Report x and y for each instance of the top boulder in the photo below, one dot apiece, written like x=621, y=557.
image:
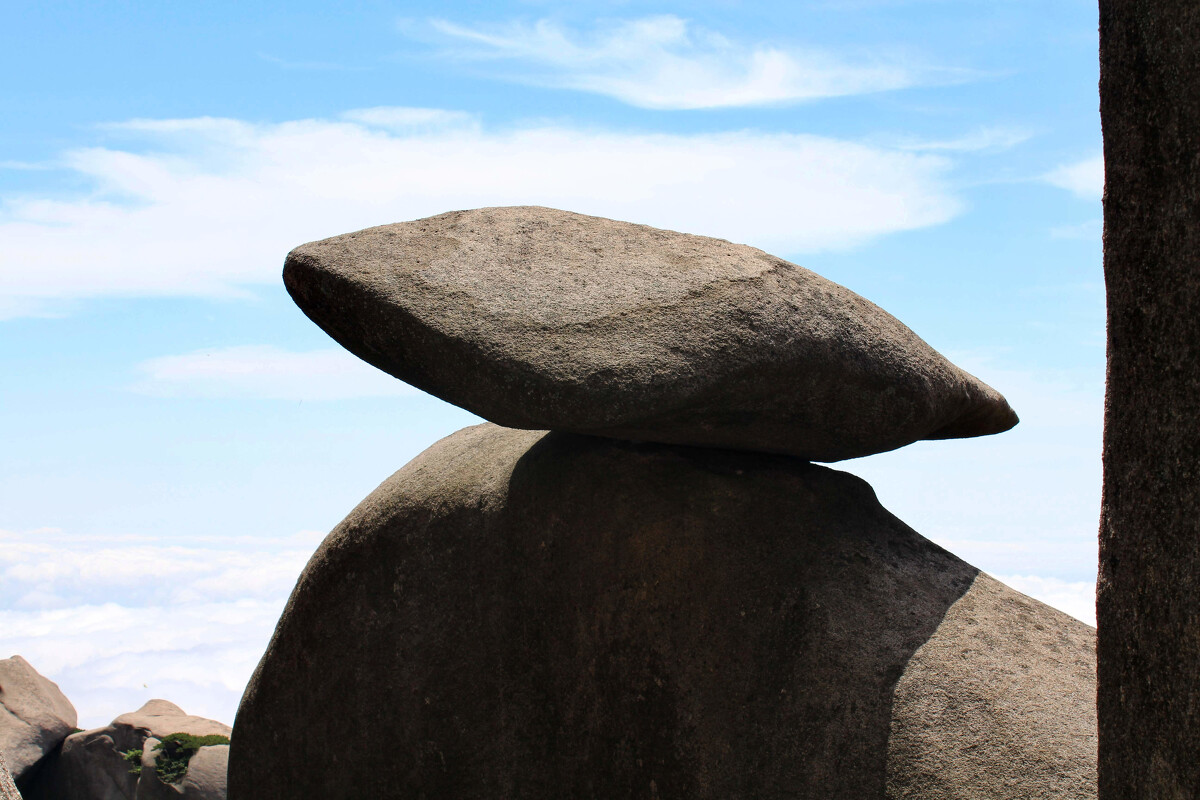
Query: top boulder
x=544, y=319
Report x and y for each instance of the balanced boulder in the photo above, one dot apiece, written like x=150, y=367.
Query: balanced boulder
x=527, y=615
x=537, y=318
x=35, y=716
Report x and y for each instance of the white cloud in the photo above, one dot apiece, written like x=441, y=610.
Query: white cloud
x=50, y=569
x=215, y=204
x=1077, y=598
x=984, y=139
x=116, y=621
x=264, y=371
x=409, y=119
x=109, y=658
x=664, y=62
x=1084, y=179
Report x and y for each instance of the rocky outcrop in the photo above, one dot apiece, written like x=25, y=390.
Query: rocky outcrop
x=521, y=614
x=117, y=762
x=34, y=717
x=538, y=318
x=1148, y=599
x=205, y=778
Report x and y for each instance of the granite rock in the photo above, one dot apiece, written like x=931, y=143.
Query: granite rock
x=1148, y=593
x=91, y=764
x=8, y=789
x=530, y=615
x=35, y=716
x=537, y=318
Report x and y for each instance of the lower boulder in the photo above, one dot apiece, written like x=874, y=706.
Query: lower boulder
x=517, y=614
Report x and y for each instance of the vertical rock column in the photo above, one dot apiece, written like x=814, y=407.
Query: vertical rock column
x=1149, y=590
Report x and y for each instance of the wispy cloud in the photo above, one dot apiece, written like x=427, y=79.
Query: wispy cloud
x=1084, y=179
x=665, y=62
x=214, y=204
x=980, y=140
x=409, y=120
x=25, y=166
x=262, y=371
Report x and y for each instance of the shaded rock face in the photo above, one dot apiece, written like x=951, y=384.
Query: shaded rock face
x=527, y=615
x=1148, y=597
x=537, y=318
x=34, y=716
x=91, y=766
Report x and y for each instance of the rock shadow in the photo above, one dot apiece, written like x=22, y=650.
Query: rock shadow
x=701, y=623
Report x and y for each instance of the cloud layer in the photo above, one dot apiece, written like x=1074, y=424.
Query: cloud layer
x=208, y=207
x=664, y=62
x=116, y=622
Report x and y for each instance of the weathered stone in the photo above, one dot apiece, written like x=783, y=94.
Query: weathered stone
x=8, y=789
x=91, y=765
x=1148, y=603
x=526, y=615
x=537, y=318
x=205, y=778
x=206, y=775
x=34, y=716
x=159, y=718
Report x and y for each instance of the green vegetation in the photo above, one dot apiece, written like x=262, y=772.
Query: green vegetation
x=177, y=750
x=134, y=757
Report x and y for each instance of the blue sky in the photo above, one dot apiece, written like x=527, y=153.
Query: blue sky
x=177, y=436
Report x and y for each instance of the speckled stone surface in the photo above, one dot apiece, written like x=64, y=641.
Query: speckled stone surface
x=1148, y=603
x=526, y=615
x=543, y=319
x=35, y=716
x=8, y=789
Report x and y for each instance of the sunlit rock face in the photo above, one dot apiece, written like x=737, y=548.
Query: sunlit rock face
x=527, y=615
x=537, y=318
x=35, y=716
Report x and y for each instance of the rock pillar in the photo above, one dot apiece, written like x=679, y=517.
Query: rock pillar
x=1149, y=590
